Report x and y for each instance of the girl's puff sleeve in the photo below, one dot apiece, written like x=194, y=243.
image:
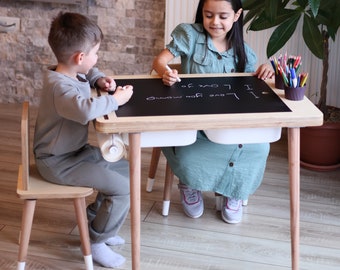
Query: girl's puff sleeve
x=182, y=38
x=251, y=59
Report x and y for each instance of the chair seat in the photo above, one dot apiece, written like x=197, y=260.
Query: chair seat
x=42, y=189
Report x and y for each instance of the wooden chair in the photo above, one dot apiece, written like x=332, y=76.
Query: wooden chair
x=31, y=187
x=169, y=176
x=169, y=179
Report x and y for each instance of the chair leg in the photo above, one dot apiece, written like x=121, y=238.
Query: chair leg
x=218, y=201
x=79, y=205
x=245, y=202
x=156, y=152
x=26, y=228
x=169, y=179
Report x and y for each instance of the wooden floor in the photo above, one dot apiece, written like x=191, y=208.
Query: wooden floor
x=261, y=241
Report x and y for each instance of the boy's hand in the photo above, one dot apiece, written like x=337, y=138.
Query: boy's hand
x=123, y=94
x=264, y=72
x=106, y=84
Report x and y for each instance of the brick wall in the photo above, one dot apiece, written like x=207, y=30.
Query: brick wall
x=133, y=35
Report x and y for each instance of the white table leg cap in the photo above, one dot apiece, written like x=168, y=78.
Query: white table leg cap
x=21, y=265
x=149, y=184
x=166, y=207
x=88, y=262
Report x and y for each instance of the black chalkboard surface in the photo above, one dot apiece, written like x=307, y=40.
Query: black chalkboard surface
x=206, y=95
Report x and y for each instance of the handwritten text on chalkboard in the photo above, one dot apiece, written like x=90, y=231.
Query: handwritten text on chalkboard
x=206, y=95
x=227, y=87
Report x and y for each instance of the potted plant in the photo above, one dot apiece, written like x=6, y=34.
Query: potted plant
x=321, y=21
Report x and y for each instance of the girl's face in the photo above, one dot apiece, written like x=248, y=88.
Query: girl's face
x=218, y=18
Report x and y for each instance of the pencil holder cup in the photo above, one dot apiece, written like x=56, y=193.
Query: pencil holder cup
x=294, y=93
x=279, y=84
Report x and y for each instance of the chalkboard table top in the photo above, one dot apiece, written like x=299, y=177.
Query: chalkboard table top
x=213, y=95
x=210, y=101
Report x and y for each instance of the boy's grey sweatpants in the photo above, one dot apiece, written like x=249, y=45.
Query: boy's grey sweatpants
x=87, y=167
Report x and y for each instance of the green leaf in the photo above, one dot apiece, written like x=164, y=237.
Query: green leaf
x=271, y=10
x=285, y=2
x=251, y=14
x=335, y=21
x=329, y=16
x=314, y=6
x=282, y=34
x=312, y=36
x=262, y=22
x=250, y=4
x=301, y=3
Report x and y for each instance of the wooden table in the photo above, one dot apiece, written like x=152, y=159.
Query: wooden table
x=303, y=113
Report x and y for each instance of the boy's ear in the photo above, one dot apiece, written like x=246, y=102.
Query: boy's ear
x=78, y=57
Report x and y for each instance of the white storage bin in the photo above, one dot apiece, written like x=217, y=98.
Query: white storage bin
x=244, y=135
x=164, y=138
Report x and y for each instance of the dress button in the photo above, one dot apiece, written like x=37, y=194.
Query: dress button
x=240, y=146
x=219, y=57
x=231, y=164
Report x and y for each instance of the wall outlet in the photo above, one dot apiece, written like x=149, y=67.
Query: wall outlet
x=9, y=24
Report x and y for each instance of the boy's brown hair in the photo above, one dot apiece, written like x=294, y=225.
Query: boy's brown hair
x=71, y=33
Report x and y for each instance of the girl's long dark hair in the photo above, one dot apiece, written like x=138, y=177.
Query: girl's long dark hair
x=234, y=36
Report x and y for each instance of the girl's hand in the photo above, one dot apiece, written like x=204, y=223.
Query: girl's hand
x=106, y=84
x=264, y=72
x=170, y=77
x=123, y=94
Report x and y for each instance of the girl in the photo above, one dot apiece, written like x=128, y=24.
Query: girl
x=214, y=44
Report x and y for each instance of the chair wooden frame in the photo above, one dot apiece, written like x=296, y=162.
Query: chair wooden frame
x=169, y=176
x=31, y=187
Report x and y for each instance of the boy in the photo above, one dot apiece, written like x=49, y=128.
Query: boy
x=61, y=150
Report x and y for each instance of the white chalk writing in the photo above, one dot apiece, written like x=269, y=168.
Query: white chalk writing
x=197, y=95
x=248, y=87
x=225, y=91
x=254, y=94
x=152, y=98
x=224, y=95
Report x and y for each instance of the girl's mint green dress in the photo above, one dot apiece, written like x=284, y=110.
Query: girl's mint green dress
x=234, y=171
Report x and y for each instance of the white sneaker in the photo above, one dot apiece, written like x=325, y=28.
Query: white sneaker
x=231, y=210
x=192, y=201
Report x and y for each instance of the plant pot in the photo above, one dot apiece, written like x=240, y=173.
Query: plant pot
x=320, y=147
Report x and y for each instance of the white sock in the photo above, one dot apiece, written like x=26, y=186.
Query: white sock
x=115, y=241
x=105, y=256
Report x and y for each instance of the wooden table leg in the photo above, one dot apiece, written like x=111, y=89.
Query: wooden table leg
x=294, y=176
x=135, y=197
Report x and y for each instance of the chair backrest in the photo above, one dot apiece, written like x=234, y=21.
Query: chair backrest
x=25, y=143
